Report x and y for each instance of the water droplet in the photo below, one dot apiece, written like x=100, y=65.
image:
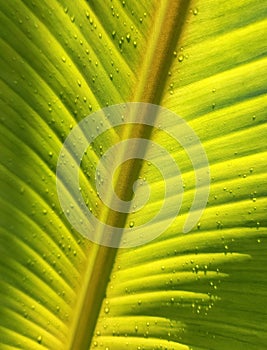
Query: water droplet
x=180, y=58
x=134, y=43
x=39, y=339
x=131, y=224
x=195, y=11
x=63, y=59
x=79, y=83
x=100, y=36
x=106, y=310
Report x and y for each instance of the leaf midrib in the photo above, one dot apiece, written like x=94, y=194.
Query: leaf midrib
x=166, y=31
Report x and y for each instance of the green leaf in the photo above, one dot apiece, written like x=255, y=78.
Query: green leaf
x=205, y=61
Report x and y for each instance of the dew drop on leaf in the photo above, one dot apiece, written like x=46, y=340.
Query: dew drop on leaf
x=39, y=339
x=131, y=224
x=180, y=58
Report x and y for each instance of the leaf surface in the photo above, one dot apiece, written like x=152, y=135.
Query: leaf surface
x=205, y=61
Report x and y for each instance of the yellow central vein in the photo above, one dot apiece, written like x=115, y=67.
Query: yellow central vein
x=165, y=34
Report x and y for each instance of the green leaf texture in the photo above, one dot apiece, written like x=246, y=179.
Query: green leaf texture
x=205, y=61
